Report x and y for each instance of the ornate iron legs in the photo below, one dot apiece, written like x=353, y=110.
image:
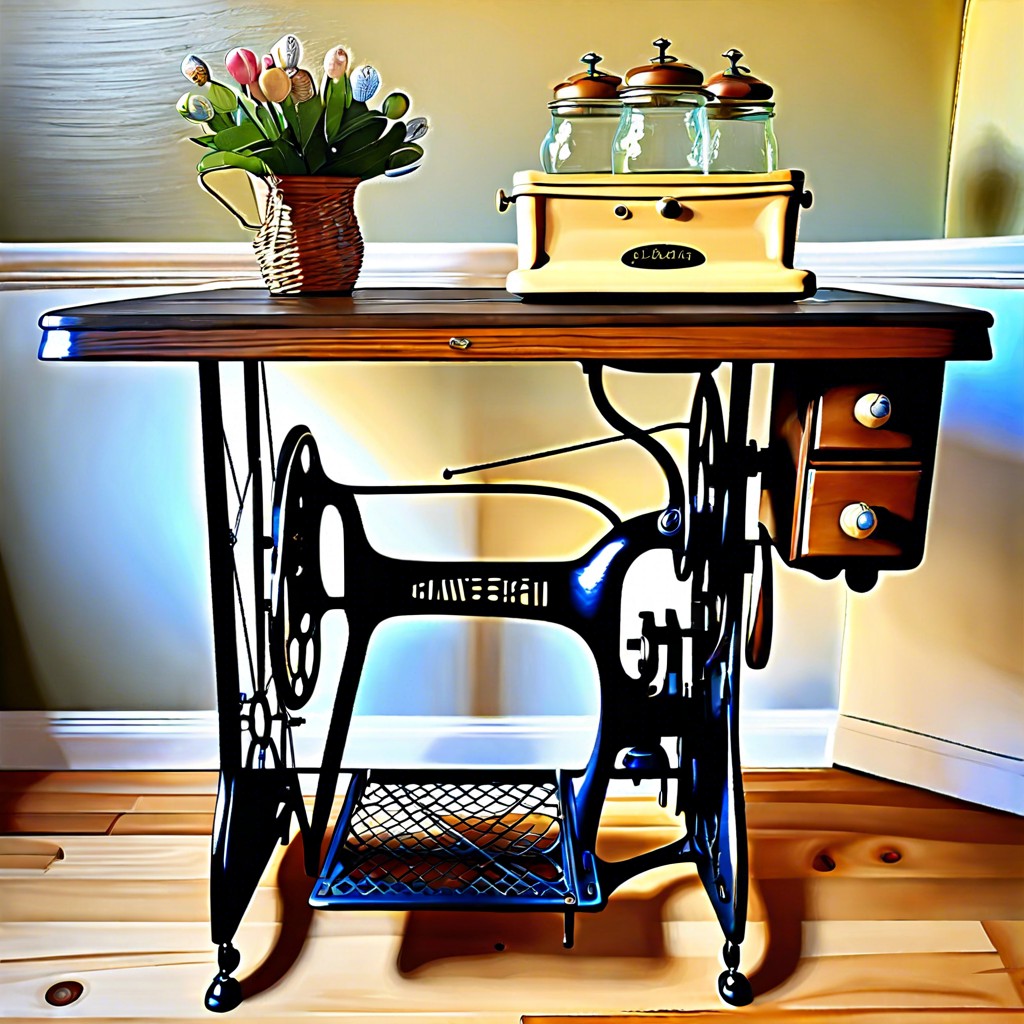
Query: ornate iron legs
x=486, y=838
x=258, y=791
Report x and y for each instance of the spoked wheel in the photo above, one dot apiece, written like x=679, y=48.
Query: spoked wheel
x=298, y=600
x=706, y=477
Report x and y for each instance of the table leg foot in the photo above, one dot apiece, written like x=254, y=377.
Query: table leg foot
x=225, y=992
x=733, y=986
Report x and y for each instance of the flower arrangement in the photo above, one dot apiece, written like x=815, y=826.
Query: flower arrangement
x=277, y=122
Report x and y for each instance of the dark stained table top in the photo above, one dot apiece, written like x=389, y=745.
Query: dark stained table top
x=419, y=324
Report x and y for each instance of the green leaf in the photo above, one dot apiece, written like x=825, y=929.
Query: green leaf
x=309, y=118
x=291, y=116
x=268, y=122
x=369, y=161
x=360, y=134
x=224, y=100
x=246, y=163
x=355, y=109
x=315, y=151
x=203, y=140
x=338, y=95
x=281, y=158
x=240, y=137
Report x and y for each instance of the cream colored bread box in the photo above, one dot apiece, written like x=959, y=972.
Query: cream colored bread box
x=683, y=235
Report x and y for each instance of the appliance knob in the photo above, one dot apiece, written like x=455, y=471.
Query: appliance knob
x=669, y=208
x=872, y=410
x=858, y=520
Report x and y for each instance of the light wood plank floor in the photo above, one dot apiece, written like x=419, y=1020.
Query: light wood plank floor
x=871, y=902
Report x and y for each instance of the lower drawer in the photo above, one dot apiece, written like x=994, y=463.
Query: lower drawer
x=890, y=494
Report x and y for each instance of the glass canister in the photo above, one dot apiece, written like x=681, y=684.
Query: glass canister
x=740, y=120
x=664, y=126
x=584, y=117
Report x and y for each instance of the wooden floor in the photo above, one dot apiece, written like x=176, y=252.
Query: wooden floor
x=871, y=902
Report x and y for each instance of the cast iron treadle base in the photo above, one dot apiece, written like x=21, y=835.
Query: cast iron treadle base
x=451, y=840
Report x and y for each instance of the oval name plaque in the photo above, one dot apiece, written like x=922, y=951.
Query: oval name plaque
x=663, y=256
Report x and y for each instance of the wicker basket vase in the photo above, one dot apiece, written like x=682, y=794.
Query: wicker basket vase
x=309, y=242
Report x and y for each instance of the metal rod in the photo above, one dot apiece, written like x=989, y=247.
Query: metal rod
x=225, y=643
x=542, y=489
x=254, y=452
x=449, y=473
x=673, y=478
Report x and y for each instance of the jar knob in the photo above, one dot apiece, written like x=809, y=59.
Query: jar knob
x=735, y=68
x=591, y=60
x=663, y=58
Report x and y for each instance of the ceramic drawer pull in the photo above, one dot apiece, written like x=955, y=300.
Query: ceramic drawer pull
x=858, y=520
x=872, y=410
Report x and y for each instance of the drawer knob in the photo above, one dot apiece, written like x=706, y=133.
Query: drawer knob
x=669, y=208
x=858, y=520
x=872, y=410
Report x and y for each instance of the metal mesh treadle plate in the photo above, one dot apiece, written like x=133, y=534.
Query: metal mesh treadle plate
x=468, y=842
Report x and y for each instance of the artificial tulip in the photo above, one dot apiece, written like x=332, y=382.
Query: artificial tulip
x=243, y=66
x=303, y=86
x=194, y=107
x=287, y=52
x=365, y=82
x=395, y=106
x=195, y=69
x=336, y=62
x=275, y=84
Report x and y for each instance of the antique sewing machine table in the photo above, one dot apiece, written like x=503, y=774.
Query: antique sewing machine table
x=845, y=482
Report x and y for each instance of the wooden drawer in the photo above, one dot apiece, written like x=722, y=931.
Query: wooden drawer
x=837, y=426
x=891, y=493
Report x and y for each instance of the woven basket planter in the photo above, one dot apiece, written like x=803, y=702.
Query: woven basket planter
x=309, y=242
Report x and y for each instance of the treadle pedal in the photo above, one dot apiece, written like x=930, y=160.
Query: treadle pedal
x=454, y=840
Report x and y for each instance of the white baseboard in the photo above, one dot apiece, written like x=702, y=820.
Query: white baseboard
x=975, y=262
x=187, y=740
x=929, y=762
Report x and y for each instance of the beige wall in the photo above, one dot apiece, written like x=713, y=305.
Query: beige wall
x=94, y=149
x=986, y=169
x=940, y=651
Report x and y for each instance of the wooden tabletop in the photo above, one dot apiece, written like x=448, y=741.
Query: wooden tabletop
x=421, y=323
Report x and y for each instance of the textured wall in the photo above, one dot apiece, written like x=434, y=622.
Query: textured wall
x=986, y=160
x=94, y=149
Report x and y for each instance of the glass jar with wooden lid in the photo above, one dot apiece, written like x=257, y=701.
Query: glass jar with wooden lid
x=663, y=127
x=740, y=117
x=584, y=117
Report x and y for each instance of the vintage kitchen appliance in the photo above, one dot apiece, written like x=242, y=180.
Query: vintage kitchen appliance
x=668, y=234
x=609, y=236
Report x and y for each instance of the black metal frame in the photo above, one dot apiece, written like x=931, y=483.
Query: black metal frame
x=484, y=839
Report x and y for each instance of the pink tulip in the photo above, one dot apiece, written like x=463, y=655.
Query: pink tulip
x=242, y=66
x=268, y=61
